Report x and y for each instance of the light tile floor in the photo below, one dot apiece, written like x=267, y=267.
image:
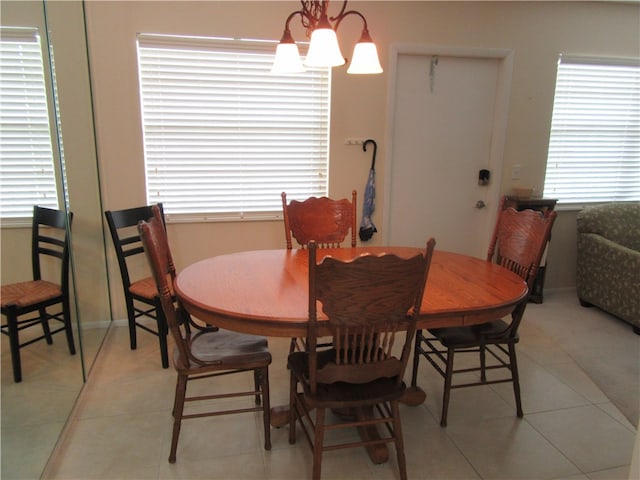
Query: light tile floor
x=571, y=430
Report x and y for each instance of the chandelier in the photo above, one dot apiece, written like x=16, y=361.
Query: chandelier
x=324, y=50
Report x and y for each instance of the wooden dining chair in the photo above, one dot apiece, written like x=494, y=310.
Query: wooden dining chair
x=518, y=243
x=140, y=292
x=322, y=219
x=368, y=301
x=202, y=351
x=37, y=301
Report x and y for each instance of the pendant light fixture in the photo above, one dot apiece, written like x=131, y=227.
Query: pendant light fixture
x=324, y=50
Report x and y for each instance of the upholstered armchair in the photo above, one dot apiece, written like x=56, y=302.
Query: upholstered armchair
x=608, y=263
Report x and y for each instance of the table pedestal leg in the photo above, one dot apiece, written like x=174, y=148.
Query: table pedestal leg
x=378, y=453
x=279, y=416
x=413, y=396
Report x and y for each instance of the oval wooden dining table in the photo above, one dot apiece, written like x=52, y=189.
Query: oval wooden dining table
x=265, y=292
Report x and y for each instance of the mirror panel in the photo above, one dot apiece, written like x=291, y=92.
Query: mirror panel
x=65, y=21
x=35, y=411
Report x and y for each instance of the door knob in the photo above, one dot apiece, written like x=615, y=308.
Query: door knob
x=480, y=204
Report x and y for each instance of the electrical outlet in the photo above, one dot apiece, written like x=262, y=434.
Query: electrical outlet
x=516, y=172
x=354, y=141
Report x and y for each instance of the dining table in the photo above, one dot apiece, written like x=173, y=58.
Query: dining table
x=266, y=292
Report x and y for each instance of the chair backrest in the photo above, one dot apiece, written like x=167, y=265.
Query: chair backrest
x=519, y=240
x=518, y=243
x=367, y=301
x=52, y=241
x=156, y=247
x=322, y=219
x=126, y=239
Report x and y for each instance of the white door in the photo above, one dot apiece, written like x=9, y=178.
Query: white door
x=448, y=117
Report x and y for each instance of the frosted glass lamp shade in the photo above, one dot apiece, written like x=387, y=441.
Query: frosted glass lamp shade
x=287, y=59
x=365, y=59
x=324, y=50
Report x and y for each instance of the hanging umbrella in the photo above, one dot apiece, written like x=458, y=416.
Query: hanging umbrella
x=367, y=228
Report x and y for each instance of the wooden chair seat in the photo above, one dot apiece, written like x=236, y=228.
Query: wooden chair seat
x=344, y=395
x=225, y=349
x=146, y=288
x=464, y=337
x=27, y=293
x=496, y=331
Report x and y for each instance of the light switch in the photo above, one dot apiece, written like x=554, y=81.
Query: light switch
x=515, y=172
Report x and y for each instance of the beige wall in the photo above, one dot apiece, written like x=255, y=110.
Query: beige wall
x=536, y=31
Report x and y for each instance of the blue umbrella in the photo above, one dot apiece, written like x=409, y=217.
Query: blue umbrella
x=367, y=228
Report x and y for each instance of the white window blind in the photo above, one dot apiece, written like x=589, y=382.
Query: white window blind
x=594, y=147
x=26, y=156
x=223, y=137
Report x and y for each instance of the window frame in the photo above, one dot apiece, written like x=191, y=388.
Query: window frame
x=31, y=35
x=307, y=151
x=627, y=162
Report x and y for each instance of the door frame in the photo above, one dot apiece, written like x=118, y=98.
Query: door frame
x=498, y=136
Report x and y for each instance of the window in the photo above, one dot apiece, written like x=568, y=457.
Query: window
x=26, y=155
x=223, y=137
x=594, y=148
